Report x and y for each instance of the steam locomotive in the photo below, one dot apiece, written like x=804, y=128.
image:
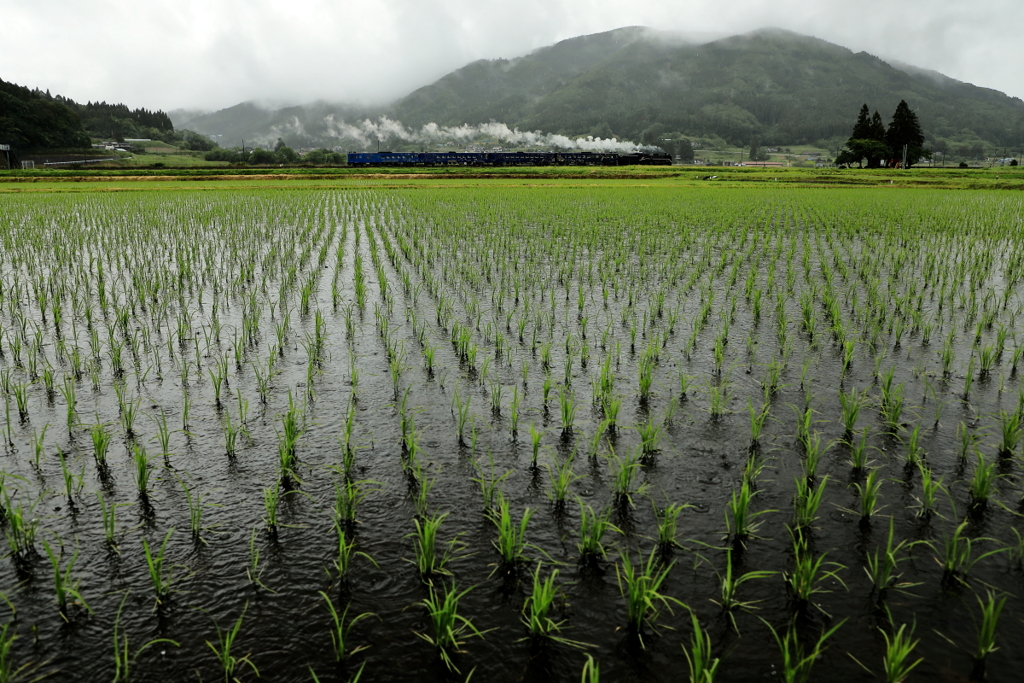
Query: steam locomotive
x=504, y=159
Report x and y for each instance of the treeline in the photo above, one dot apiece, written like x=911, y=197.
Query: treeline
x=35, y=119
x=117, y=121
x=30, y=119
x=281, y=154
x=898, y=145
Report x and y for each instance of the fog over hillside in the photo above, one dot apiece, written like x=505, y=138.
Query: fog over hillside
x=635, y=85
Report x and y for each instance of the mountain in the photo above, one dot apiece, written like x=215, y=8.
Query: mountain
x=779, y=87
x=311, y=125
x=30, y=119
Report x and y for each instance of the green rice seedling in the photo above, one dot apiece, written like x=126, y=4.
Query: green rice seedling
x=986, y=359
x=983, y=483
x=230, y=663
x=914, y=452
x=489, y=482
x=100, y=442
x=514, y=411
x=160, y=575
x=685, y=382
x=123, y=657
x=742, y=523
x=496, y=397
x=892, y=408
x=450, y=629
x=646, y=376
x=535, y=435
x=1015, y=549
x=968, y=379
x=143, y=469
x=345, y=553
x=859, y=451
x=591, y=671
x=958, y=556
x=650, y=433
x=562, y=477
x=797, y=660
x=129, y=411
x=67, y=390
x=347, y=498
x=849, y=348
x=968, y=441
x=186, y=405
x=254, y=571
x=718, y=399
x=896, y=664
x=808, y=572
x=546, y=389
x=231, y=432
x=813, y=452
x=881, y=566
x=611, y=405
x=640, y=586
x=8, y=672
x=163, y=434
x=729, y=586
x=287, y=438
x=624, y=475
x=271, y=500
x=702, y=664
x=757, y=420
x=461, y=412
x=668, y=525
x=537, y=611
x=594, y=444
x=593, y=528
x=109, y=513
x=770, y=383
x=64, y=584
x=511, y=542
x=868, y=494
x=195, y=512
x=807, y=501
x=930, y=487
x=432, y=556
x=566, y=409
x=20, y=391
x=73, y=481
x=991, y=608
x=851, y=403
x=1010, y=433
x=340, y=629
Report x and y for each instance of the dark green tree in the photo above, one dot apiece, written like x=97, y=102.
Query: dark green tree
x=285, y=155
x=262, y=156
x=862, y=128
x=867, y=142
x=905, y=131
x=684, y=148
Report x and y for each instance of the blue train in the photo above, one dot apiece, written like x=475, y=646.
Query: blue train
x=504, y=159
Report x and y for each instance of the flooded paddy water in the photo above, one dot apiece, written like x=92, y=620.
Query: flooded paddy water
x=269, y=392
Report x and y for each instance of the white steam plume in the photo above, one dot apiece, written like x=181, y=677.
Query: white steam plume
x=368, y=132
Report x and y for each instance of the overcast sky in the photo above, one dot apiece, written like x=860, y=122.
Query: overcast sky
x=210, y=54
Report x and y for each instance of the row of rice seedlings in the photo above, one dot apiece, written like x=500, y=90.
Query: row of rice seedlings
x=713, y=412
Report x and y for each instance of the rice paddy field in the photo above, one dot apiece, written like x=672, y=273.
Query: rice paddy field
x=504, y=433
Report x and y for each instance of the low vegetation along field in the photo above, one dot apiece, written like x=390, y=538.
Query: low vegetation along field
x=517, y=433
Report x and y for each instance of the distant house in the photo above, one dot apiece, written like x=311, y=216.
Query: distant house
x=764, y=164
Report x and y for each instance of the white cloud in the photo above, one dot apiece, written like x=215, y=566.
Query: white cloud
x=186, y=53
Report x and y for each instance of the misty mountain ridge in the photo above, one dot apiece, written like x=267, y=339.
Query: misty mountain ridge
x=638, y=83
